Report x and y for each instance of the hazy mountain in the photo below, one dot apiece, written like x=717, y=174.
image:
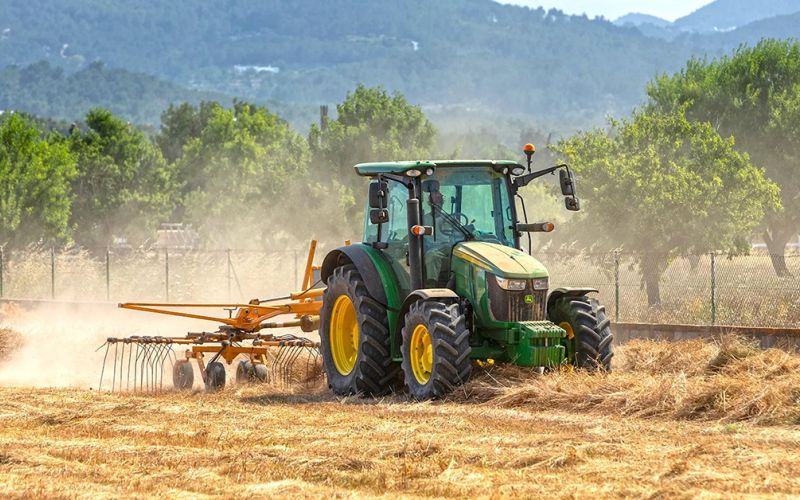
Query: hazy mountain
x=637, y=19
x=726, y=15
x=457, y=58
x=45, y=90
x=775, y=27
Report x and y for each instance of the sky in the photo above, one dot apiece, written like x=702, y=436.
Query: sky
x=612, y=9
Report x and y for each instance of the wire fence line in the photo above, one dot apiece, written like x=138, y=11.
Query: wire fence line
x=700, y=289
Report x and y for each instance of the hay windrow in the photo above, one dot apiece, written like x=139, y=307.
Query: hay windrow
x=10, y=342
x=727, y=381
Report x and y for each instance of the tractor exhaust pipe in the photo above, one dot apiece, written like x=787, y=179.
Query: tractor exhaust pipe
x=414, y=244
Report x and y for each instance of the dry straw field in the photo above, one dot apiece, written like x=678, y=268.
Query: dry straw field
x=676, y=420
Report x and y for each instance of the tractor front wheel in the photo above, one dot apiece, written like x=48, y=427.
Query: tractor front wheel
x=436, y=351
x=354, y=337
x=589, y=338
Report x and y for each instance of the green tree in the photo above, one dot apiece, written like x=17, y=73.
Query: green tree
x=660, y=186
x=35, y=179
x=371, y=125
x=235, y=172
x=124, y=187
x=753, y=96
x=180, y=124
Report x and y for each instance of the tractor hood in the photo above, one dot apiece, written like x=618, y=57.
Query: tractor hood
x=500, y=260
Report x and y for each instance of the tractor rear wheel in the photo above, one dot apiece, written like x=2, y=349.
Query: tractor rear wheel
x=182, y=375
x=215, y=376
x=589, y=338
x=354, y=337
x=436, y=350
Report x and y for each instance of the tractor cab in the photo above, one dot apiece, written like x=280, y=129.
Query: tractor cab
x=456, y=202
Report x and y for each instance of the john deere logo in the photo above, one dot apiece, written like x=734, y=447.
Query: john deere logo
x=529, y=299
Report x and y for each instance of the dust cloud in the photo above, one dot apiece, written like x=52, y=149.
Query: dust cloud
x=58, y=344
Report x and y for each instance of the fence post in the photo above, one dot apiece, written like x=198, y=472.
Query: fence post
x=108, y=274
x=2, y=264
x=166, y=273
x=229, y=274
x=52, y=273
x=713, y=288
x=616, y=286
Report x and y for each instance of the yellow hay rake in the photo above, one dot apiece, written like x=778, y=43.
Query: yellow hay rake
x=139, y=361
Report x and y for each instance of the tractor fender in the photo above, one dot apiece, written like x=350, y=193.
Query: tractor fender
x=568, y=292
x=441, y=294
x=356, y=255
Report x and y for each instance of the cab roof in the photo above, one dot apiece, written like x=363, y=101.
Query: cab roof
x=401, y=167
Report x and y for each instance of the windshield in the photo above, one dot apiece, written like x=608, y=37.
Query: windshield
x=475, y=205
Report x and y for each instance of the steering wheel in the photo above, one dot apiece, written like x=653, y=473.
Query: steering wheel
x=450, y=228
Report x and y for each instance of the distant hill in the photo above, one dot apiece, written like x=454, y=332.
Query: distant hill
x=44, y=90
x=637, y=19
x=727, y=15
x=457, y=58
x=777, y=27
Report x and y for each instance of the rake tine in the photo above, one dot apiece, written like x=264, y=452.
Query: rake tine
x=149, y=367
x=136, y=366
x=121, y=365
x=150, y=370
x=102, y=371
x=277, y=364
x=114, y=375
x=163, y=353
x=158, y=365
x=293, y=355
x=142, y=351
x=287, y=362
x=130, y=356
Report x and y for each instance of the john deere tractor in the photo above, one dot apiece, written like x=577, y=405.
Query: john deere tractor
x=440, y=281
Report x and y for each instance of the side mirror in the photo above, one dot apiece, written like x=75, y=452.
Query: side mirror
x=378, y=216
x=573, y=204
x=539, y=227
x=378, y=190
x=567, y=182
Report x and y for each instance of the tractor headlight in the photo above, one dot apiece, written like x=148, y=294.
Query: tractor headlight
x=517, y=171
x=413, y=172
x=540, y=284
x=510, y=284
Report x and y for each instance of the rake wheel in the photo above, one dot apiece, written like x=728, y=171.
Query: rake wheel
x=215, y=376
x=260, y=372
x=244, y=372
x=183, y=375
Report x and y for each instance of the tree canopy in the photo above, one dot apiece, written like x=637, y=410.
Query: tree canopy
x=753, y=96
x=660, y=186
x=123, y=187
x=235, y=167
x=371, y=125
x=35, y=175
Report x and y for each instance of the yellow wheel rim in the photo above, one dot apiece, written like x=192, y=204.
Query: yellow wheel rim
x=344, y=335
x=568, y=328
x=421, y=354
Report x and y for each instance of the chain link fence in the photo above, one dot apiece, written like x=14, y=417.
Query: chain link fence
x=156, y=275
x=701, y=289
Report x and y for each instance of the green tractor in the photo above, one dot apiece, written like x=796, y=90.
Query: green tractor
x=440, y=282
